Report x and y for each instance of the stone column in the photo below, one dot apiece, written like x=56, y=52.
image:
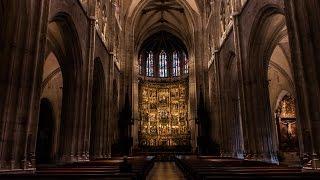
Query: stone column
x=215, y=133
x=228, y=121
x=192, y=107
x=111, y=110
x=303, y=28
x=22, y=50
x=33, y=125
x=241, y=95
x=224, y=121
x=219, y=97
x=232, y=136
x=84, y=144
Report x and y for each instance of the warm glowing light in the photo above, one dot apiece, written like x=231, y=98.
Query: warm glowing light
x=163, y=112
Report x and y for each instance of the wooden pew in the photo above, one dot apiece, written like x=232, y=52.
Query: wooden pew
x=202, y=168
x=99, y=169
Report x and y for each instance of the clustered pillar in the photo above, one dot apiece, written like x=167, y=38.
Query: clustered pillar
x=21, y=50
x=303, y=28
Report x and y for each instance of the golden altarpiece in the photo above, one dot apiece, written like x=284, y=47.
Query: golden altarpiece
x=164, y=111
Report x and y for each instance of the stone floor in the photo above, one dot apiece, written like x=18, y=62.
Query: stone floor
x=165, y=171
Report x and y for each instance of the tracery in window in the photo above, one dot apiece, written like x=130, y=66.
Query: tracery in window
x=149, y=65
x=169, y=58
x=163, y=64
x=176, y=64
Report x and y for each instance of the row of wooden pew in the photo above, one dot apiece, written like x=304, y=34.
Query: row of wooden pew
x=197, y=168
x=99, y=169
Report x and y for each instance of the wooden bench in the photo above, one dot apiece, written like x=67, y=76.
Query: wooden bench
x=202, y=168
x=99, y=169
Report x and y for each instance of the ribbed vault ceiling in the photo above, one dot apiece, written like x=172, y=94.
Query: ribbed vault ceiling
x=163, y=15
x=134, y=4
x=163, y=41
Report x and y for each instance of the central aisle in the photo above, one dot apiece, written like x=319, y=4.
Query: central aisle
x=165, y=171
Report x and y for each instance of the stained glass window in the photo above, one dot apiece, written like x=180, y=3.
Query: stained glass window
x=149, y=65
x=176, y=64
x=163, y=64
x=186, y=64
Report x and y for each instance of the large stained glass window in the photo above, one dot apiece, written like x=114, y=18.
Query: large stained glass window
x=163, y=64
x=165, y=57
x=149, y=65
x=176, y=64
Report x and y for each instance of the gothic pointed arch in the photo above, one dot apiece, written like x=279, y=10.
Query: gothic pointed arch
x=63, y=41
x=268, y=28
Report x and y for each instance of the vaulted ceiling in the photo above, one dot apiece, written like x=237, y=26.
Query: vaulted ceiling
x=163, y=15
x=134, y=3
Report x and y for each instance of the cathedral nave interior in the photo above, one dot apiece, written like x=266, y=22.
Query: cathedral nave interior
x=167, y=89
